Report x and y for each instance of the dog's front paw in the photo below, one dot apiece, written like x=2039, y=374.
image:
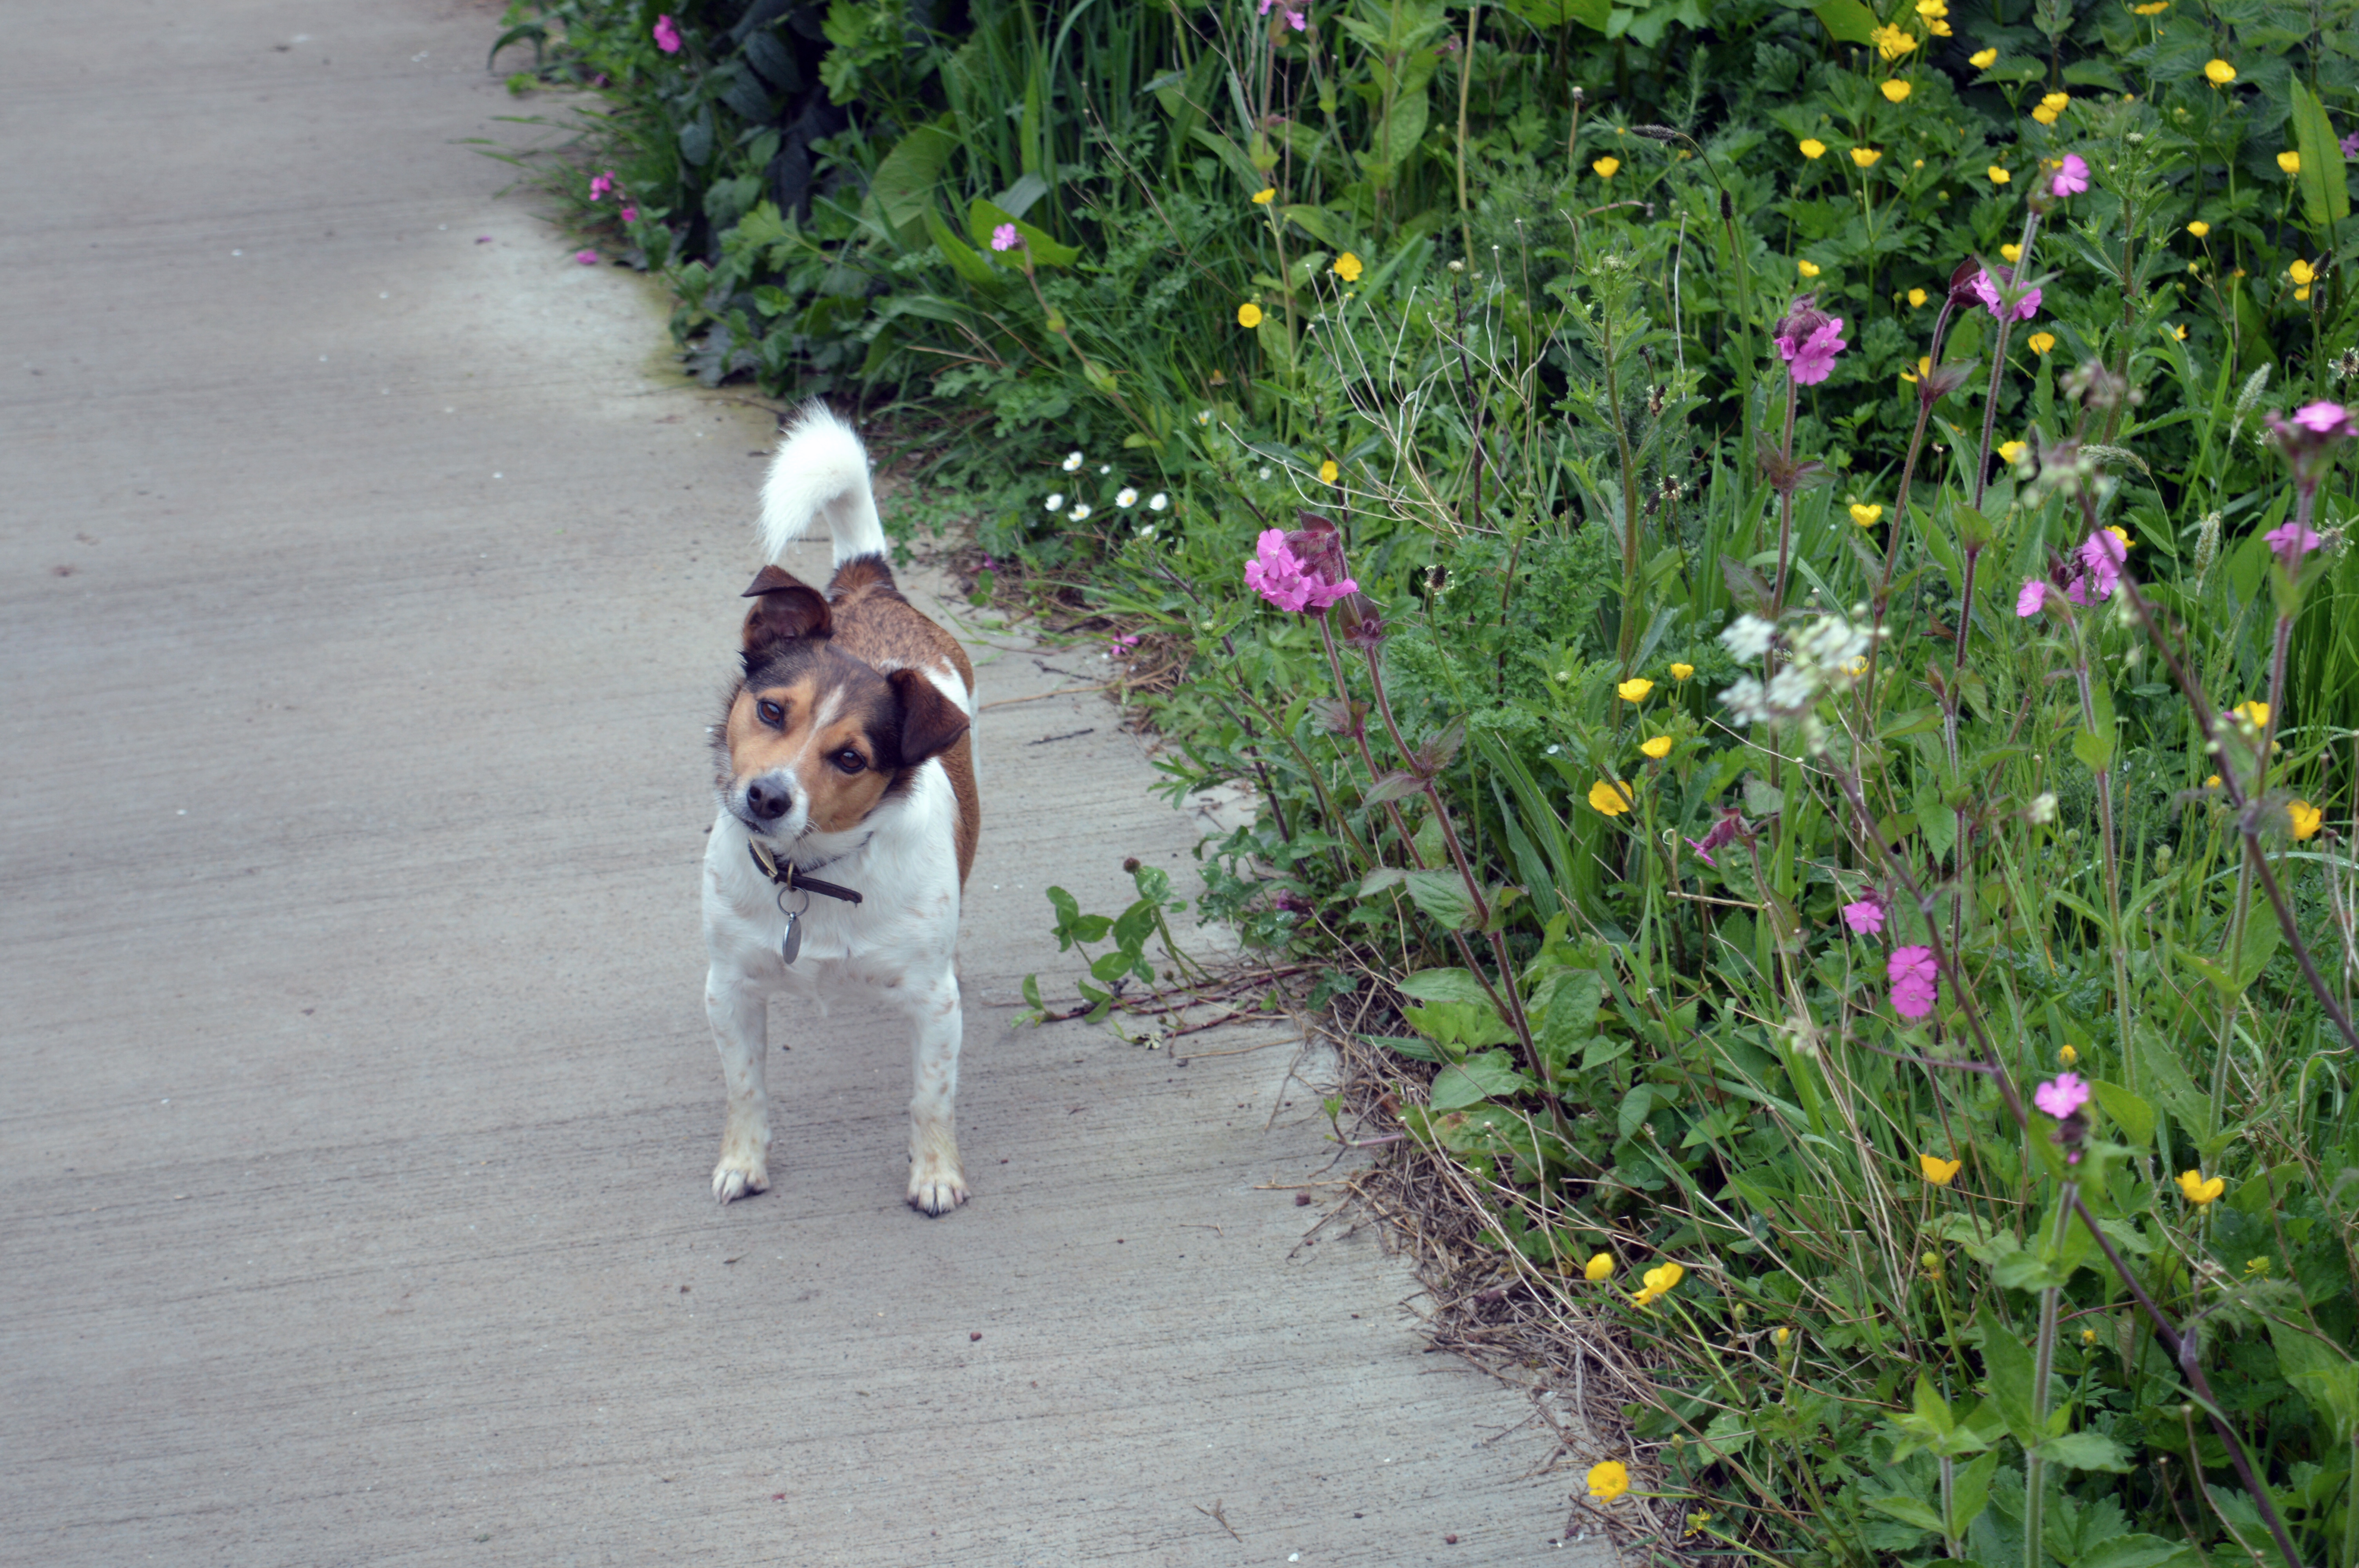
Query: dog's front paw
x=936, y=1186
x=738, y=1174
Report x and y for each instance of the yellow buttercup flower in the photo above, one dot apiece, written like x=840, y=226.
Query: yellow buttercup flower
x=1599, y=1268
x=1681, y=672
x=1783, y=1333
x=2301, y=272
x=2290, y=162
x=2255, y=713
x=2088, y=1336
x=1865, y=157
x=2219, y=72
x=1895, y=91
x=1998, y=176
x=1938, y=1171
x=2179, y=333
x=1933, y=10
x=2012, y=450
x=1812, y=147
x=1660, y=747
x=1924, y=368
x=2199, y=1191
x=1606, y=167
x=2306, y=818
x=2067, y=1054
x=2056, y=100
x=1634, y=689
x=2153, y=8
x=2257, y=1267
x=2211, y=783
x=1892, y=43
x=1264, y=198
x=2010, y=250
x=2041, y=341
x=1608, y=1481
x=2044, y=115
x=1347, y=267
x=1865, y=515
x=1249, y=314
x=2198, y=228
x=2302, y=293
x=1610, y=798
x=1662, y=1278
x=1327, y=471
x=1916, y=299
x=1807, y=267
x=1982, y=59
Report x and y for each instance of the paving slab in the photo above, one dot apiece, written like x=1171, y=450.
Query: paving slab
x=366, y=590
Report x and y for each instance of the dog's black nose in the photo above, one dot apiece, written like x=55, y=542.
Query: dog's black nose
x=768, y=800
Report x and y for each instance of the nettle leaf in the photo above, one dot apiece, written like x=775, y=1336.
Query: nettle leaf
x=1446, y=985
x=1442, y=895
x=1489, y=1075
x=2085, y=1451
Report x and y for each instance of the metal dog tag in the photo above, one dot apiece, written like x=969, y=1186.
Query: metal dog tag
x=792, y=942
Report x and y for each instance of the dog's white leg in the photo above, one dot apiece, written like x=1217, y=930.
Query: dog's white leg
x=936, y=1184
x=739, y=1015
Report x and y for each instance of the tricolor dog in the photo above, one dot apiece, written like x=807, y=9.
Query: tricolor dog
x=848, y=814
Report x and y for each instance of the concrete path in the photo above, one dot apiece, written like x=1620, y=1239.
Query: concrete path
x=363, y=597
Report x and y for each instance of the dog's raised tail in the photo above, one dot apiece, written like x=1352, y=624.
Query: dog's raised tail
x=821, y=472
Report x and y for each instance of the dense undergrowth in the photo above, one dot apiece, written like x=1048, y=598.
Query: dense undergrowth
x=1841, y=727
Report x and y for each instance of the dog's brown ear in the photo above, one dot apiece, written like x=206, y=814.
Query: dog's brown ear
x=785, y=608
x=930, y=722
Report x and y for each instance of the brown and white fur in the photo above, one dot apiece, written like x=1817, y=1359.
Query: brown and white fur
x=845, y=750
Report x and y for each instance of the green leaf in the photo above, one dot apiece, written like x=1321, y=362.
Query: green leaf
x=1382, y=878
x=2130, y=1113
x=1570, y=1019
x=2132, y=1552
x=1635, y=1107
x=1970, y=1490
x=983, y=217
x=1909, y=1511
x=1407, y=1045
x=903, y=185
x=1593, y=13
x=2084, y=1451
x=964, y=261
x=1847, y=20
x=2325, y=195
x=1442, y=895
x=2321, y=1373
x=1488, y=1075
x=2010, y=1371
x=1446, y=985
x=2092, y=750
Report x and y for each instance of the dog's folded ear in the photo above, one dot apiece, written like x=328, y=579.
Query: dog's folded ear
x=930, y=722
x=785, y=608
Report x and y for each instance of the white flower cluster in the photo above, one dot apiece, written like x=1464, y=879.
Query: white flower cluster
x=1825, y=656
x=1126, y=498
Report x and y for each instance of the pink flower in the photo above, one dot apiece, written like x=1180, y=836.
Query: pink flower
x=1915, y=982
x=2101, y=556
x=1279, y=575
x=1864, y=916
x=2061, y=1096
x=1987, y=292
x=2292, y=540
x=666, y=35
x=1811, y=358
x=630, y=214
x=2072, y=178
x=2324, y=418
x=2033, y=598
x=1005, y=238
x=587, y=258
x=601, y=184
x=1295, y=20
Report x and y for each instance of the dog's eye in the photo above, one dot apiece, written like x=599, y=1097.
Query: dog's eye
x=848, y=761
x=771, y=714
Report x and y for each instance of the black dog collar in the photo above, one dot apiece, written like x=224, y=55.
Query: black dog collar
x=787, y=876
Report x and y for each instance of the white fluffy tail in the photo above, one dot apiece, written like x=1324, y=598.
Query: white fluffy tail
x=821, y=470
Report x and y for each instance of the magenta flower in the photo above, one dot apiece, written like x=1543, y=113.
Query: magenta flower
x=587, y=258
x=2033, y=598
x=2324, y=418
x=2061, y=1096
x=666, y=35
x=1864, y=916
x=1811, y=358
x=1724, y=832
x=2072, y=178
x=2101, y=556
x=630, y=214
x=1295, y=20
x=600, y=185
x=1280, y=576
x=2292, y=540
x=1987, y=292
x=1005, y=238
x=1915, y=982
x=2351, y=145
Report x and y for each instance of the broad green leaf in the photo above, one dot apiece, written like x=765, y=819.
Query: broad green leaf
x=2130, y=1113
x=1969, y=1491
x=1446, y=985
x=2010, y=1369
x=983, y=217
x=1635, y=1108
x=1488, y=1075
x=1593, y=14
x=1442, y=895
x=903, y=185
x=2092, y=750
x=970, y=266
x=2325, y=194
x=1909, y=1511
x=2133, y=1552
x=1847, y=20
x=1408, y=1045
x=2084, y=1451
x=2321, y=1373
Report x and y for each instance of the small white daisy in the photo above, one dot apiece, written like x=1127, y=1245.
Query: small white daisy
x=1105, y=468
x=1203, y=417
x=1147, y=532
x=1056, y=503
x=1158, y=502
x=1125, y=497
x=1072, y=462
x=1265, y=473
x=1081, y=509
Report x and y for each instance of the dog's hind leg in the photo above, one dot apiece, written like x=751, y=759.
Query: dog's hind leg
x=936, y=1184
x=739, y=1014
